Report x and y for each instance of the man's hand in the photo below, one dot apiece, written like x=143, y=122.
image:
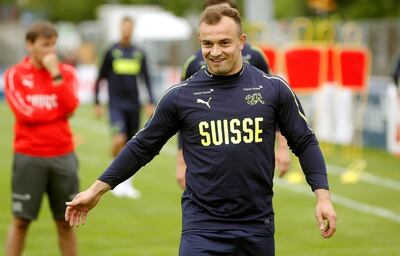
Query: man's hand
x=99, y=111
x=50, y=63
x=282, y=161
x=282, y=155
x=325, y=213
x=180, y=169
x=78, y=209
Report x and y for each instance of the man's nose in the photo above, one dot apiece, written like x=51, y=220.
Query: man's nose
x=51, y=49
x=215, y=50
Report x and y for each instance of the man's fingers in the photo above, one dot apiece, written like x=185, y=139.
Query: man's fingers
x=320, y=221
x=282, y=166
x=67, y=213
x=74, y=217
x=282, y=172
x=328, y=232
x=71, y=217
x=331, y=227
x=78, y=218
x=84, y=217
x=327, y=227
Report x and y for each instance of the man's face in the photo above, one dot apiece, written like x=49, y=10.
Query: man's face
x=41, y=47
x=221, y=46
x=126, y=31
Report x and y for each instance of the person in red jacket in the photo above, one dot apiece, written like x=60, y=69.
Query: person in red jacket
x=41, y=93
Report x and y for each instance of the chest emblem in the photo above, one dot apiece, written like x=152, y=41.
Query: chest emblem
x=207, y=103
x=27, y=83
x=253, y=99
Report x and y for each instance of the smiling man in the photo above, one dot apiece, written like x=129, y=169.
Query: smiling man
x=227, y=114
x=220, y=47
x=255, y=57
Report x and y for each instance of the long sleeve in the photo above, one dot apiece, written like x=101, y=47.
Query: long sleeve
x=146, y=77
x=301, y=138
x=103, y=74
x=147, y=143
x=313, y=165
x=396, y=73
x=67, y=93
x=32, y=106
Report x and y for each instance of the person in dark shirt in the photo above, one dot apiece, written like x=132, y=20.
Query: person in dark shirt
x=396, y=74
x=123, y=64
x=252, y=55
x=227, y=114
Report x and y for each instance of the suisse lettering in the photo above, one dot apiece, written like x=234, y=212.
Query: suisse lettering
x=234, y=131
x=44, y=101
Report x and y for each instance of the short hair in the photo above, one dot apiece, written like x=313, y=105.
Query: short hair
x=212, y=15
x=128, y=19
x=40, y=29
x=209, y=3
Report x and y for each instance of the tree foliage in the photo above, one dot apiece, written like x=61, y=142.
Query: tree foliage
x=358, y=9
x=78, y=10
x=347, y=9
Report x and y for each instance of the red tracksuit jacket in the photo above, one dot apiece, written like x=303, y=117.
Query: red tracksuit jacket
x=41, y=110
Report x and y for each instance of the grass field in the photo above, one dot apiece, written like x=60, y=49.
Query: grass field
x=368, y=211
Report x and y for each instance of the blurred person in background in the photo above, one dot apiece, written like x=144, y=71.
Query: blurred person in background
x=122, y=66
x=252, y=55
x=227, y=113
x=396, y=74
x=41, y=92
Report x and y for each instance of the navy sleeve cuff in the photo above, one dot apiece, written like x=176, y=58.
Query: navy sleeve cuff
x=313, y=165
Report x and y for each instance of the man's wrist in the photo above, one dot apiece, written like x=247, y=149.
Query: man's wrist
x=56, y=77
x=100, y=187
x=322, y=195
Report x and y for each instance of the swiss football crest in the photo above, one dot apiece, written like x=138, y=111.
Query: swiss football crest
x=253, y=99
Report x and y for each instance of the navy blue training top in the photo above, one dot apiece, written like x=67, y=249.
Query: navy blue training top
x=122, y=66
x=228, y=132
x=250, y=54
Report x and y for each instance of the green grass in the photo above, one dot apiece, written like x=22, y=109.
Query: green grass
x=151, y=225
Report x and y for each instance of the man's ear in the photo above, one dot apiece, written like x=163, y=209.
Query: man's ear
x=198, y=36
x=242, y=40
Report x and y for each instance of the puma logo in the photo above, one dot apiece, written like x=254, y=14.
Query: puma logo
x=27, y=83
x=207, y=103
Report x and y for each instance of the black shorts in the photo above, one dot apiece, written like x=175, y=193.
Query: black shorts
x=124, y=121
x=34, y=176
x=226, y=242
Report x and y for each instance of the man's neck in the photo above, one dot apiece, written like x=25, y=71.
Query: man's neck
x=231, y=75
x=37, y=64
x=125, y=43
